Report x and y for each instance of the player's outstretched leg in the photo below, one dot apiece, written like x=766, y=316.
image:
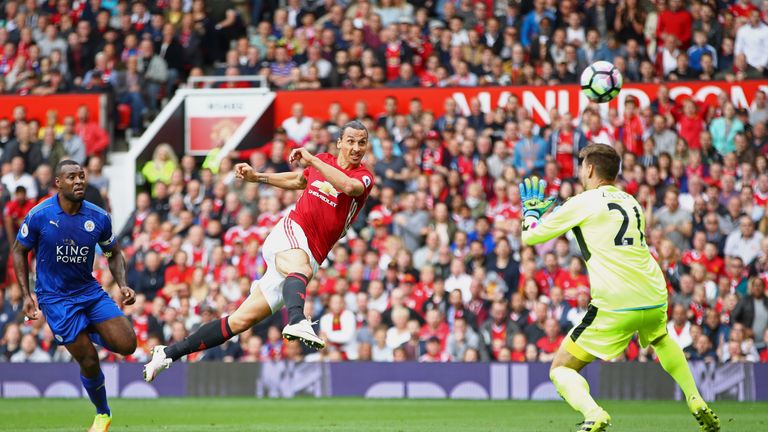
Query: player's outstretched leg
x=253, y=310
x=673, y=361
x=294, y=263
x=564, y=374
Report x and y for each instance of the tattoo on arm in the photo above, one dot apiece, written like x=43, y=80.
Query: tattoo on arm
x=262, y=179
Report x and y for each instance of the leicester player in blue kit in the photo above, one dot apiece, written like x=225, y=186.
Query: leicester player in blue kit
x=63, y=231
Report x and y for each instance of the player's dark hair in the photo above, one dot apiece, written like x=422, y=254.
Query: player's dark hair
x=354, y=124
x=60, y=166
x=604, y=158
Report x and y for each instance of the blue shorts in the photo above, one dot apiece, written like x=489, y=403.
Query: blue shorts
x=70, y=316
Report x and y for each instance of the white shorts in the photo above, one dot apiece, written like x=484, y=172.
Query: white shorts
x=286, y=235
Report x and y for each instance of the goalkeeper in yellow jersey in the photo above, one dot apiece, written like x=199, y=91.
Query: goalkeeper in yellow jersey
x=629, y=294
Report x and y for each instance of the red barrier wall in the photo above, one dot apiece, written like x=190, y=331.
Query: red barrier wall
x=540, y=100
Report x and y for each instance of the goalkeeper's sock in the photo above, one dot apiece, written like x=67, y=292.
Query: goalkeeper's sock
x=294, y=291
x=97, y=392
x=207, y=336
x=673, y=361
x=575, y=390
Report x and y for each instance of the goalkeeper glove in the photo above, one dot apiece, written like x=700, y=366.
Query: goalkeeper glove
x=532, y=194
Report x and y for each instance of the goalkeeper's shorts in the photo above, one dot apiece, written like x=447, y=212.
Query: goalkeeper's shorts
x=605, y=334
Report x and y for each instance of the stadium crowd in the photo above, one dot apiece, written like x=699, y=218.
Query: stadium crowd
x=139, y=52
x=433, y=270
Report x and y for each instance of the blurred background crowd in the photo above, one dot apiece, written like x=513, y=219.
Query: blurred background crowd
x=433, y=269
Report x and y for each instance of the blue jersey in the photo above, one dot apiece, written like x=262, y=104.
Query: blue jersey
x=65, y=246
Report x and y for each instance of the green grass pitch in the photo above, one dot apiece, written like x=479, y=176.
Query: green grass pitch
x=361, y=415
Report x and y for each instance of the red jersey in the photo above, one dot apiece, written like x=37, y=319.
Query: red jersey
x=546, y=280
x=238, y=233
x=631, y=134
x=572, y=286
x=325, y=213
x=392, y=57
x=693, y=256
x=549, y=346
x=760, y=199
x=17, y=211
x=690, y=128
x=715, y=266
x=265, y=222
x=740, y=10
x=564, y=153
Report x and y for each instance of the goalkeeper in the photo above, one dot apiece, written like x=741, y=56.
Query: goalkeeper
x=628, y=290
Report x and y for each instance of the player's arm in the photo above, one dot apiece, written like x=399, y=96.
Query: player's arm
x=284, y=180
x=114, y=254
x=569, y=215
x=342, y=182
x=21, y=269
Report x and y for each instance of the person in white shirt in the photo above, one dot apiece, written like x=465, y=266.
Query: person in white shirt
x=744, y=243
x=339, y=327
x=314, y=58
x=297, y=127
x=459, y=279
x=398, y=334
x=17, y=177
x=752, y=40
x=679, y=328
x=378, y=299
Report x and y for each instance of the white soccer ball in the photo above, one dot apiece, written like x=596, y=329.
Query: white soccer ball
x=601, y=81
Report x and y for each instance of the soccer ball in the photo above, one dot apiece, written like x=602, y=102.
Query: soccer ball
x=601, y=81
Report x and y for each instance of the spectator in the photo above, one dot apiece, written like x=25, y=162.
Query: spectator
x=724, y=130
x=17, y=177
x=530, y=152
x=675, y=21
x=550, y=342
x=338, y=327
x=459, y=280
x=565, y=142
x=25, y=148
x=675, y=221
x=160, y=169
x=462, y=339
x=664, y=138
x=751, y=40
x=752, y=310
x=151, y=279
x=701, y=350
x=30, y=351
x=679, y=328
x=72, y=143
x=381, y=352
x=758, y=111
x=744, y=243
x=128, y=86
x=15, y=211
x=298, y=126
x=93, y=135
x=698, y=49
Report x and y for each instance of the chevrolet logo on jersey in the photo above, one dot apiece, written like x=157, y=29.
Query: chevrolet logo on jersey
x=326, y=188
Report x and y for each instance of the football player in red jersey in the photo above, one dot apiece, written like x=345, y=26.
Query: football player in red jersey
x=335, y=189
